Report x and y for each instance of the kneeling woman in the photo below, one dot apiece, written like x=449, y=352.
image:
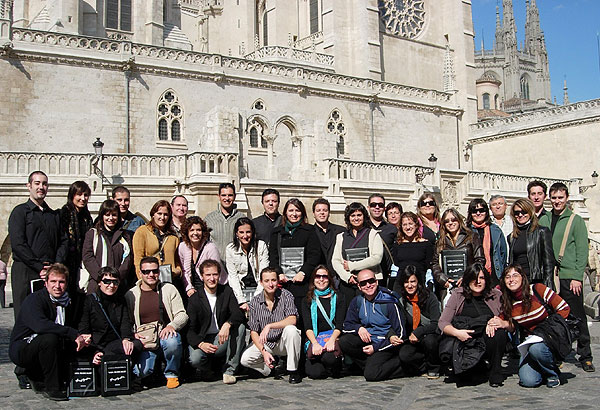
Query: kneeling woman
x=466, y=317
x=106, y=318
x=421, y=353
x=323, y=312
x=522, y=304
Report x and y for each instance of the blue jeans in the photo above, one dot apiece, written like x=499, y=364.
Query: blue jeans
x=171, y=348
x=230, y=351
x=537, y=364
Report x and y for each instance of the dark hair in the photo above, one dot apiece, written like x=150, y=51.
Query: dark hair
x=225, y=185
x=376, y=195
x=268, y=191
x=207, y=264
x=474, y=204
x=298, y=204
x=471, y=274
x=108, y=206
x=353, y=207
x=508, y=297
x=321, y=201
x=422, y=291
x=108, y=271
x=269, y=269
x=537, y=183
x=441, y=242
x=558, y=186
x=240, y=222
x=311, y=283
x=178, y=196
x=422, y=198
x=413, y=217
x=159, y=204
x=58, y=269
x=77, y=188
x=149, y=259
x=393, y=205
x=188, y=223
x=120, y=189
x=30, y=177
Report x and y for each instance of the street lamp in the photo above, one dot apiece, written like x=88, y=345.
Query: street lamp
x=421, y=173
x=583, y=188
x=97, y=162
x=98, y=145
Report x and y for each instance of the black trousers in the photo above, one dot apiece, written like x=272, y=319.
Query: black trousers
x=2, y=293
x=421, y=356
x=320, y=367
x=47, y=357
x=576, y=304
x=381, y=365
x=20, y=276
x=349, y=291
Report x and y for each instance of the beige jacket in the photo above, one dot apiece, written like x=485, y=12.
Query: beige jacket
x=171, y=300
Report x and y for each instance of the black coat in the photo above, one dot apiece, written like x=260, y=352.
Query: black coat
x=304, y=236
x=198, y=310
x=94, y=322
x=540, y=255
x=430, y=314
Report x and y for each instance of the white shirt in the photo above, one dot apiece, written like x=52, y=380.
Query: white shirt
x=212, y=301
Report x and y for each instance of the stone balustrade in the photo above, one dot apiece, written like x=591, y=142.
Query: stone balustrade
x=292, y=55
x=479, y=182
x=370, y=172
x=308, y=41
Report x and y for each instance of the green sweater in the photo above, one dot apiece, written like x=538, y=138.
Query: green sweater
x=576, y=252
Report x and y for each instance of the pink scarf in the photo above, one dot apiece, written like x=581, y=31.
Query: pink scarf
x=487, y=241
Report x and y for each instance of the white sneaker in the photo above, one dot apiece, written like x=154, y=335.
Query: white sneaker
x=229, y=379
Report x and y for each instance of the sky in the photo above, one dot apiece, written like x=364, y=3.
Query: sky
x=571, y=29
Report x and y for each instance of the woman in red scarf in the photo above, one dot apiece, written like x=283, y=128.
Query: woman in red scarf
x=420, y=354
x=492, y=240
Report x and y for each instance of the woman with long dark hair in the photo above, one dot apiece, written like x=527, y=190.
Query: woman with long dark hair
x=420, y=354
x=530, y=245
x=246, y=257
x=76, y=220
x=158, y=238
x=323, y=313
x=523, y=304
x=360, y=247
x=195, y=248
x=108, y=244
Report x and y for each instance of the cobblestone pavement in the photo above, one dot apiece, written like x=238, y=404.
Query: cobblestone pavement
x=580, y=391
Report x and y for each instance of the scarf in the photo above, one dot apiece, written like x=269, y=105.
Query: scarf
x=524, y=226
x=61, y=303
x=487, y=243
x=416, y=310
x=291, y=227
x=315, y=302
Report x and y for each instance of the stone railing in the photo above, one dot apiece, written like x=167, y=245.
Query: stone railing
x=308, y=41
x=120, y=35
x=361, y=171
x=481, y=182
x=291, y=54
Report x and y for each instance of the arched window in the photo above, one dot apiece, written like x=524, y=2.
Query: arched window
x=314, y=16
x=496, y=106
x=118, y=14
x=256, y=134
x=169, y=117
x=336, y=127
x=486, y=101
x=525, y=87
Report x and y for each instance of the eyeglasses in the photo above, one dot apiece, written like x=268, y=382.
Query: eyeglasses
x=377, y=205
x=428, y=203
x=512, y=276
x=321, y=277
x=149, y=271
x=450, y=221
x=479, y=211
x=111, y=282
x=366, y=282
x=520, y=212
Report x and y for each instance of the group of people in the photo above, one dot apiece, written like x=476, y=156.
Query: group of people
x=379, y=296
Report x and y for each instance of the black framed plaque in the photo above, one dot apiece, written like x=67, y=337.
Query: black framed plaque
x=454, y=263
x=115, y=377
x=83, y=380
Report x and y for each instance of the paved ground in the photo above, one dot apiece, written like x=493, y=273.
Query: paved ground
x=580, y=391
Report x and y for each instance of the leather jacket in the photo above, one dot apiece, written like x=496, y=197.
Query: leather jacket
x=540, y=255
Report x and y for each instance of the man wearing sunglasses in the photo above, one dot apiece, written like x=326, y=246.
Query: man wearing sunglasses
x=374, y=329
x=387, y=231
x=152, y=302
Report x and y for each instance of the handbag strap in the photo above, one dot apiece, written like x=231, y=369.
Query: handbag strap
x=563, y=244
x=106, y=316
x=325, y=315
x=161, y=305
x=542, y=301
x=358, y=238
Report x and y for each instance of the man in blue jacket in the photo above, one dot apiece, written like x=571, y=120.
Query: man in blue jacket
x=374, y=329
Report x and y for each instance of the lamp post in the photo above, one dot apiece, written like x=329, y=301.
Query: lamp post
x=421, y=173
x=97, y=162
x=583, y=188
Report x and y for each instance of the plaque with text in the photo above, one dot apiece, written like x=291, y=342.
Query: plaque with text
x=115, y=377
x=454, y=263
x=165, y=275
x=83, y=380
x=357, y=254
x=292, y=260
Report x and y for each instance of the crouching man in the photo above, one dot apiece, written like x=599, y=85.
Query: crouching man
x=273, y=330
x=216, y=329
x=45, y=336
x=151, y=302
x=374, y=329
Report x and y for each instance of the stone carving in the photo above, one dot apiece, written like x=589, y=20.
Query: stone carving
x=404, y=18
x=450, y=195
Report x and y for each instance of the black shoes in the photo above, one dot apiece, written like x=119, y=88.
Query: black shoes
x=295, y=378
x=56, y=395
x=588, y=366
x=24, y=382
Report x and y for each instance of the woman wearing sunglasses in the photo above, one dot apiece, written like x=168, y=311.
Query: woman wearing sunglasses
x=323, y=313
x=530, y=245
x=429, y=217
x=106, y=320
x=491, y=237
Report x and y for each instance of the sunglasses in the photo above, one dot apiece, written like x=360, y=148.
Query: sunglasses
x=149, y=271
x=111, y=282
x=376, y=205
x=366, y=282
x=321, y=277
x=450, y=221
x=479, y=211
x=520, y=213
x=428, y=203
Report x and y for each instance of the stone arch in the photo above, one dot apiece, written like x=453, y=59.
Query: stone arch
x=525, y=81
x=258, y=131
x=259, y=105
x=287, y=148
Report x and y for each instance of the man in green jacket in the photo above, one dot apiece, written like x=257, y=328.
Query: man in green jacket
x=573, y=263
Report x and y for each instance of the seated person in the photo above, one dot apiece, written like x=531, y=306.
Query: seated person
x=216, y=329
x=420, y=353
x=374, y=329
x=273, y=330
x=153, y=302
x=323, y=312
x=44, y=336
x=114, y=338
x=465, y=319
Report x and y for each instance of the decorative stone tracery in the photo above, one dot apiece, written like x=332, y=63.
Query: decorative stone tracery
x=169, y=117
x=404, y=18
x=336, y=127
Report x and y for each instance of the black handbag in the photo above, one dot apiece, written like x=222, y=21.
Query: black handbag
x=558, y=333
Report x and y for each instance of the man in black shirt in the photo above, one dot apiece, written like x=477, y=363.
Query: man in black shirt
x=326, y=231
x=271, y=218
x=36, y=239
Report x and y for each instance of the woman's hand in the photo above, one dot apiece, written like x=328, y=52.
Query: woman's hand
x=346, y=265
x=127, y=346
x=191, y=292
x=299, y=277
x=448, y=283
x=330, y=344
x=463, y=334
x=244, y=306
x=353, y=280
x=395, y=340
x=283, y=278
x=97, y=358
x=317, y=349
x=413, y=339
